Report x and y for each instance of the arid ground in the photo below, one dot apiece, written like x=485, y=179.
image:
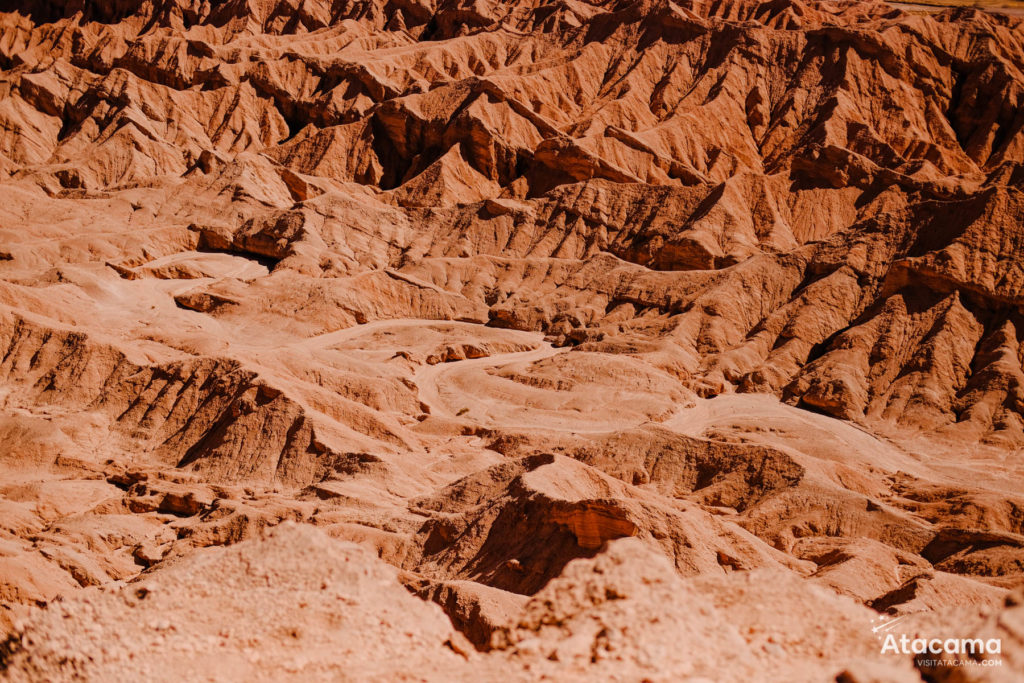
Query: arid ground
x=480, y=340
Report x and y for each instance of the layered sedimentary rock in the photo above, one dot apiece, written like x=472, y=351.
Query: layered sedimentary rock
x=594, y=323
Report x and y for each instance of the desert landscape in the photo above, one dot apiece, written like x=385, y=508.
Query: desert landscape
x=479, y=340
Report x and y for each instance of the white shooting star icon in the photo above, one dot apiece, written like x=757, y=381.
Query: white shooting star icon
x=888, y=624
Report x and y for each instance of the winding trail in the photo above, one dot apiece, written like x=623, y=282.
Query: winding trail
x=429, y=377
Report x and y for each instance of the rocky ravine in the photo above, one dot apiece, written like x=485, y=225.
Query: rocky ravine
x=600, y=339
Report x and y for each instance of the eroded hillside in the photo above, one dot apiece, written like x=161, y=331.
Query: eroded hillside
x=485, y=287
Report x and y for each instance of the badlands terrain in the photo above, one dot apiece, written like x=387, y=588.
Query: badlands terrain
x=539, y=339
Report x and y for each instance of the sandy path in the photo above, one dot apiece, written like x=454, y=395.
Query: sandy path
x=430, y=378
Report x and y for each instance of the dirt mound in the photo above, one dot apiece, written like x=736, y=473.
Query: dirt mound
x=295, y=604
x=281, y=607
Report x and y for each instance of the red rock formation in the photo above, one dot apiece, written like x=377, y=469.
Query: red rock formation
x=607, y=323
